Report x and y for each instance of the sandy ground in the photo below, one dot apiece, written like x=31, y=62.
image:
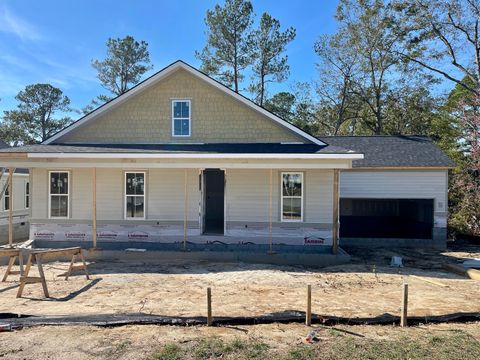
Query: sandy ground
x=139, y=342
x=366, y=287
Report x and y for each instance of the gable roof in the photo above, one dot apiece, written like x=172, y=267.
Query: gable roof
x=155, y=78
x=393, y=151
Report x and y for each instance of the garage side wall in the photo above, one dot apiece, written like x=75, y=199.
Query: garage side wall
x=402, y=184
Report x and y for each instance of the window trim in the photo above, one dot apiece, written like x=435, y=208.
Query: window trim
x=189, y=117
x=296, y=197
x=5, y=197
x=50, y=194
x=25, y=194
x=144, y=195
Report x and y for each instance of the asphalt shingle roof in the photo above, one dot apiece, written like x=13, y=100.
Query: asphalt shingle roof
x=393, y=151
x=379, y=151
x=250, y=148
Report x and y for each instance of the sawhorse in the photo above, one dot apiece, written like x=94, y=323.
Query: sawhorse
x=40, y=255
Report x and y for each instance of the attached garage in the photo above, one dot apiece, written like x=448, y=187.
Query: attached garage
x=386, y=218
x=397, y=195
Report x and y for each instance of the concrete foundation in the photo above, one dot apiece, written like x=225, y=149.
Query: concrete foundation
x=317, y=256
x=20, y=232
x=435, y=243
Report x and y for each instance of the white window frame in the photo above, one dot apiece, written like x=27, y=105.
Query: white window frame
x=50, y=194
x=144, y=195
x=180, y=118
x=5, y=196
x=282, y=196
x=27, y=195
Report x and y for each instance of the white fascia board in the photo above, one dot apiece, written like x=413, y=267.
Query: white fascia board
x=190, y=156
x=164, y=73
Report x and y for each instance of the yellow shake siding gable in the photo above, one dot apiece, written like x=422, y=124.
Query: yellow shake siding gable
x=216, y=117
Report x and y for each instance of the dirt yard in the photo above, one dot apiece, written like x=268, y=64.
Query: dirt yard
x=275, y=341
x=367, y=287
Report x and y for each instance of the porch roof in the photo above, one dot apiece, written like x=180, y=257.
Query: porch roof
x=210, y=148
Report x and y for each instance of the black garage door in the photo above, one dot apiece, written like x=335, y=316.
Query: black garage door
x=386, y=218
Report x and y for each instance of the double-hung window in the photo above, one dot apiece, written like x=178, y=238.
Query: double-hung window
x=135, y=195
x=6, y=199
x=181, y=118
x=27, y=194
x=59, y=194
x=292, y=196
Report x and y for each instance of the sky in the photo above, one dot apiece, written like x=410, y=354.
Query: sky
x=54, y=41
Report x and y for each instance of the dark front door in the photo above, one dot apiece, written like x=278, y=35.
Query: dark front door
x=214, y=181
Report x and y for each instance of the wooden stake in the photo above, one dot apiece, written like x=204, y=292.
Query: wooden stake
x=308, y=314
x=94, y=208
x=335, y=211
x=403, y=320
x=185, y=216
x=209, y=307
x=10, y=207
x=270, y=216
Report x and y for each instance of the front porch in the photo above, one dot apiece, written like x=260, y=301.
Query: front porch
x=246, y=203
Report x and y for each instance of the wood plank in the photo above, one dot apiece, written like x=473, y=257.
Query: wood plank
x=9, y=252
x=38, y=258
x=335, y=211
x=11, y=261
x=467, y=272
x=94, y=208
x=10, y=207
x=59, y=252
x=70, y=267
x=32, y=279
x=428, y=280
x=22, y=279
x=403, y=318
x=84, y=265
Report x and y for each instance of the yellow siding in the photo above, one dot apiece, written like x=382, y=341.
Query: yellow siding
x=146, y=117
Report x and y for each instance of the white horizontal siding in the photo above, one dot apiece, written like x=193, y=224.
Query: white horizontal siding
x=39, y=193
x=81, y=197
x=318, y=201
x=399, y=184
x=110, y=194
x=165, y=192
x=18, y=183
x=248, y=193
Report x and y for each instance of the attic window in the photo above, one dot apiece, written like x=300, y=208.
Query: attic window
x=181, y=117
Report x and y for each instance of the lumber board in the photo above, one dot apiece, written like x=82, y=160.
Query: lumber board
x=460, y=270
x=31, y=279
x=63, y=251
x=9, y=252
x=428, y=280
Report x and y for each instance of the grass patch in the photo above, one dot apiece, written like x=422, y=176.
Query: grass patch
x=449, y=346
